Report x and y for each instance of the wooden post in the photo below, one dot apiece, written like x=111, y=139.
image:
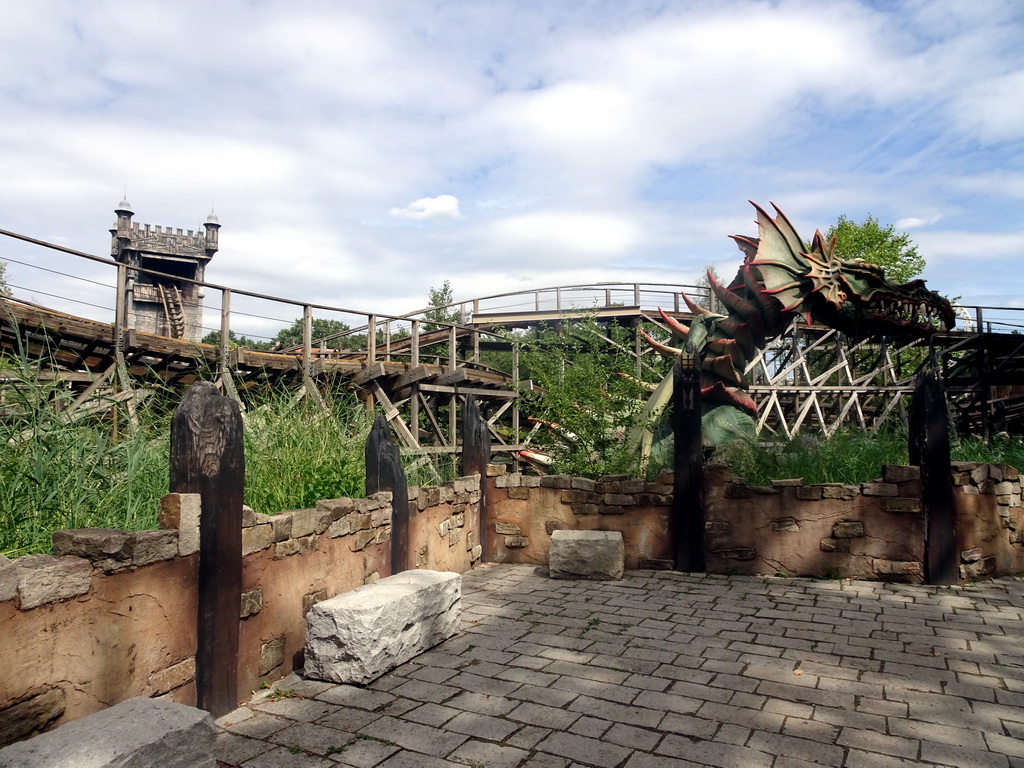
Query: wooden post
x=476, y=455
x=384, y=473
x=929, y=450
x=120, y=313
x=207, y=458
x=307, y=340
x=371, y=339
x=225, y=332
x=687, y=521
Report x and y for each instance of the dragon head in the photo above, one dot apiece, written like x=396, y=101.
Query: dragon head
x=852, y=296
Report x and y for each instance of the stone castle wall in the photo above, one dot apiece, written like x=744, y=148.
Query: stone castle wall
x=112, y=614
x=873, y=530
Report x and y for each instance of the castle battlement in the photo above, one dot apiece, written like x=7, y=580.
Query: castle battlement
x=169, y=303
x=155, y=232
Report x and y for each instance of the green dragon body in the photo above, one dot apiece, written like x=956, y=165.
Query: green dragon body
x=782, y=277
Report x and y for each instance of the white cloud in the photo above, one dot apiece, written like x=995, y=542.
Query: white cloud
x=443, y=207
x=553, y=238
x=993, y=110
x=912, y=222
x=589, y=141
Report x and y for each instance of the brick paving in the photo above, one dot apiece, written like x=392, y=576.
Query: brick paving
x=670, y=670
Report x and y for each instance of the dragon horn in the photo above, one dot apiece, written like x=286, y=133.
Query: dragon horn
x=659, y=347
x=746, y=244
x=740, y=306
x=696, y=309
x=771, y=310
x=740, y=332
x=721, y=393
x=639, y=382
x=786, y=228
x=724, y=368
x=677, y=328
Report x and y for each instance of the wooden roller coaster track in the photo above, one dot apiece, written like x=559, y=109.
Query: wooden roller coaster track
x=419, y=371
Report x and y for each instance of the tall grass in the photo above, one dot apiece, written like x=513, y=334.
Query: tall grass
x=298, y=452
x=846, y=457
x=850, y=456
x=63, y=470
x=59, y=469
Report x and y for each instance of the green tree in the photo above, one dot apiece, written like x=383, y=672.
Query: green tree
x=587, y=409
x=234, y=340
x=705, y=298
x=445, y=313
x=4, y=289
x=883, y=246
x=292, y=335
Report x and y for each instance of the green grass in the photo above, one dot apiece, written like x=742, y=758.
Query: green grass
x=59, y=470
x=297, y=452
x=846, y=457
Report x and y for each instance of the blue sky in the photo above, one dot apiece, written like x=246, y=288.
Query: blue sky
x=358, y=153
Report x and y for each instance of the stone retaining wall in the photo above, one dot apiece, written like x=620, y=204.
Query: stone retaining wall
x=869, y=530
x=872, y=530
x=526, y=510
x=989, y=532
x=111, y=614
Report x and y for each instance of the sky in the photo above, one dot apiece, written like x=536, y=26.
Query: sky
x=360, y=153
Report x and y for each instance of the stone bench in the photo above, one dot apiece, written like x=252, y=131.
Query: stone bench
x=137, y=733
x=597, y=555
x=360, y=635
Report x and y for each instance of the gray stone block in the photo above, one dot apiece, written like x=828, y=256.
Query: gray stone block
x=137, y=733
x=47, y=579
x=8, y=579
x=594, y=555
x=358, y=636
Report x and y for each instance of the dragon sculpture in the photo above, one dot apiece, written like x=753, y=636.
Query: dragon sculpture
x=782, y=277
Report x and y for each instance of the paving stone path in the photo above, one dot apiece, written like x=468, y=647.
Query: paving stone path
x=670, y=670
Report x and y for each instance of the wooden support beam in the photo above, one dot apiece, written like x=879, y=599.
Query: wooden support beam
x=393, y=415
x=369, y=373
x=433, y=419
x=411, y=376
x=456, y=376
x=478, y=391
x=88, y=391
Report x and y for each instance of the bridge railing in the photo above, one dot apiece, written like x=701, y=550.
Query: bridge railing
x=647, y=297
x=367, y=336
x=99, y=290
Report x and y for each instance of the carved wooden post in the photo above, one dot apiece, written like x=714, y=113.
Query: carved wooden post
x=929, y=450
x=687, y=522
x=207, y=458
x=476, y=455
x=384, y=473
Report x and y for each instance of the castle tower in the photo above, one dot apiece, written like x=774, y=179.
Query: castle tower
x=164, y=305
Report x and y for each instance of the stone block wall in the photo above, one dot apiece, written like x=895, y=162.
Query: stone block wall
x=869, y=530
x=990, y=530
x=872, y=530
x=526, y=509
x=111, y=614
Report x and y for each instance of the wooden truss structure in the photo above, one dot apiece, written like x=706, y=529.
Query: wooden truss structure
x=813, y=379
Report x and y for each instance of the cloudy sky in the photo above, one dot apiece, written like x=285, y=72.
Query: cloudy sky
x=358, y=153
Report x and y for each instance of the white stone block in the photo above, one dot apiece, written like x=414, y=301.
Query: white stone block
x=597, y=555
x=360, y=635
x=137, y=733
